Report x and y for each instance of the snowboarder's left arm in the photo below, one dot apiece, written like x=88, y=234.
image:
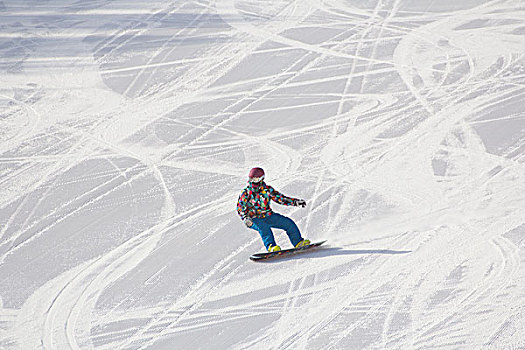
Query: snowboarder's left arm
x=280, y=198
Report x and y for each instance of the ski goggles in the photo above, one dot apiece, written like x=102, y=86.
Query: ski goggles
x=256, y=179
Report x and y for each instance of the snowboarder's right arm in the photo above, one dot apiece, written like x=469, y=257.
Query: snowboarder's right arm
x=242, y=202
x=242, y=209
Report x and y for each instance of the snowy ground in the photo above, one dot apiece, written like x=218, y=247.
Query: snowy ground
x=128, y=127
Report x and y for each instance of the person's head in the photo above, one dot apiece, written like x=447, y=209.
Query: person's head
x=256, y=175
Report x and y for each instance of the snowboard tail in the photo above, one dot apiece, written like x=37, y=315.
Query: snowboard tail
x=284, y=252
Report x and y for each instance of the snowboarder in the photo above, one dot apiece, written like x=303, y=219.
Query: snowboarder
x=254, y=209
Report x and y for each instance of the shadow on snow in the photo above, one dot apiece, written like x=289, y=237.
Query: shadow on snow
x=323, y=252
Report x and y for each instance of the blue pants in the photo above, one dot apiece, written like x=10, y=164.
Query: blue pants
x=265, y=225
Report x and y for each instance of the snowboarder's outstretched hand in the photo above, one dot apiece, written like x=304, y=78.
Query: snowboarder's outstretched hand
x=248, y=222
x=299, y=203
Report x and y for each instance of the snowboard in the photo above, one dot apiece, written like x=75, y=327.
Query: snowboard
x=284, y=252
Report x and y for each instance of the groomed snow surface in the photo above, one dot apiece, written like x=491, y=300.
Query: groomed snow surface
x=128, y=128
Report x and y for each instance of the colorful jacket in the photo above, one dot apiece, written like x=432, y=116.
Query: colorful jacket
x=254, y=200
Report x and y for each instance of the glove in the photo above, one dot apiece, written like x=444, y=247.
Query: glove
x=248, y=222
x=299, y=203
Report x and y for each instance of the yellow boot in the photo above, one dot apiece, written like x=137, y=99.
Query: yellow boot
x=274, y=248
x=302, y=243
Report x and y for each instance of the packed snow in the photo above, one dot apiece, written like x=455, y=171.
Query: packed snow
x=127, y=130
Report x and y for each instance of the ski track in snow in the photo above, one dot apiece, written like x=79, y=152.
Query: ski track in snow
x=127, y=130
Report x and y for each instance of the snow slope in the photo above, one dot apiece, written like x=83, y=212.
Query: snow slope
x=127, y=129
